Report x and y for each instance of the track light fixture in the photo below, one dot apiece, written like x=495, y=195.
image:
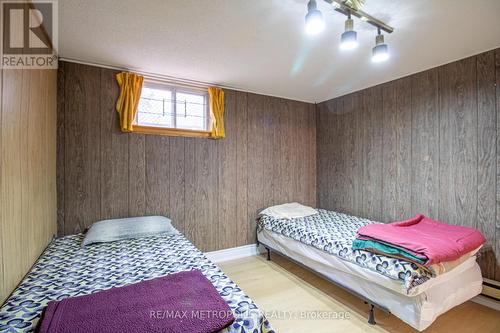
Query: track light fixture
x=381, y=51
x=314, y=19
x=348, y=39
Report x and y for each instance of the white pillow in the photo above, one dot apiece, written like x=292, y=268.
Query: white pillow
x=133, y=227
x=289, y=211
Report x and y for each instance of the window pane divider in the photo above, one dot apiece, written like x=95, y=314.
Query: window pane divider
x=174, y=108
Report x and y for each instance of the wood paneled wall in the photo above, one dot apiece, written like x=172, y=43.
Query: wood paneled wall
x=27, y=170
x=210, y=189
x=427, y=143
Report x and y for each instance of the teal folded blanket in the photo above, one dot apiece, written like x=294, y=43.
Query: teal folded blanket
x=383, y=248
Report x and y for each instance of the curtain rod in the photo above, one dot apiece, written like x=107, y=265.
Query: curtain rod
x=150, y=76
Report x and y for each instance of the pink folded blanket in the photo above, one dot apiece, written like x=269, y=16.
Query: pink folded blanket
x=437, y=241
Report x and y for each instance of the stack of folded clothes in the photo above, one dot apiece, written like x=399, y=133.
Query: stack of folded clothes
x=437, y=246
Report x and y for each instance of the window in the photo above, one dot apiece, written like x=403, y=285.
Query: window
x=172, y=110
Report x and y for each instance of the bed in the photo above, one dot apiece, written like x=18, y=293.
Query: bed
x=66, y=269
x=323, y=243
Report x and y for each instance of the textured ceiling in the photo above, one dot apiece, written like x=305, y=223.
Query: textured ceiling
x=260, y=45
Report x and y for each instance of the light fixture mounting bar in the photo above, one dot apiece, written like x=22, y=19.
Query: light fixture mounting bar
x=345, y=9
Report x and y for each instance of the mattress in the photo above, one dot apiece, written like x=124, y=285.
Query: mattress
x=334, y=233
x=434, y=298
x=65, y=269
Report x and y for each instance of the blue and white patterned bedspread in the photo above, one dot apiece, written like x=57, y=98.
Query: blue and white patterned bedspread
x=66, y=269
x=334, y=233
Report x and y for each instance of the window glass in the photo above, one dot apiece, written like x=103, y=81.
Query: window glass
x=191, y=111
x=171, y=107
x=155, y=108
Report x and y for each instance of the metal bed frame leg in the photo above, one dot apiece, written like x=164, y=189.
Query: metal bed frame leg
x=371, y=304
x=371, y=316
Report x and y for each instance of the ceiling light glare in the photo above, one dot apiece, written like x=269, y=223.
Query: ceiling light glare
x=348, y=40
x=314, y=19
x=380, y=52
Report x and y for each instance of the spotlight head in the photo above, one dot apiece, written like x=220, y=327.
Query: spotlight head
x=348, y=40
x=380, y=52
x=314, y=19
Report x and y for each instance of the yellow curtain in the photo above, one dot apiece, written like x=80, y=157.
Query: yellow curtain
x=216, y=102
x=130, y=93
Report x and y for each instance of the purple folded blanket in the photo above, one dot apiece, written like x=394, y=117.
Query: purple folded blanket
x=181, y=302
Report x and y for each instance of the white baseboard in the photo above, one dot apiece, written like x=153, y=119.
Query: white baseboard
x=486, y=301
x=233, y=253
